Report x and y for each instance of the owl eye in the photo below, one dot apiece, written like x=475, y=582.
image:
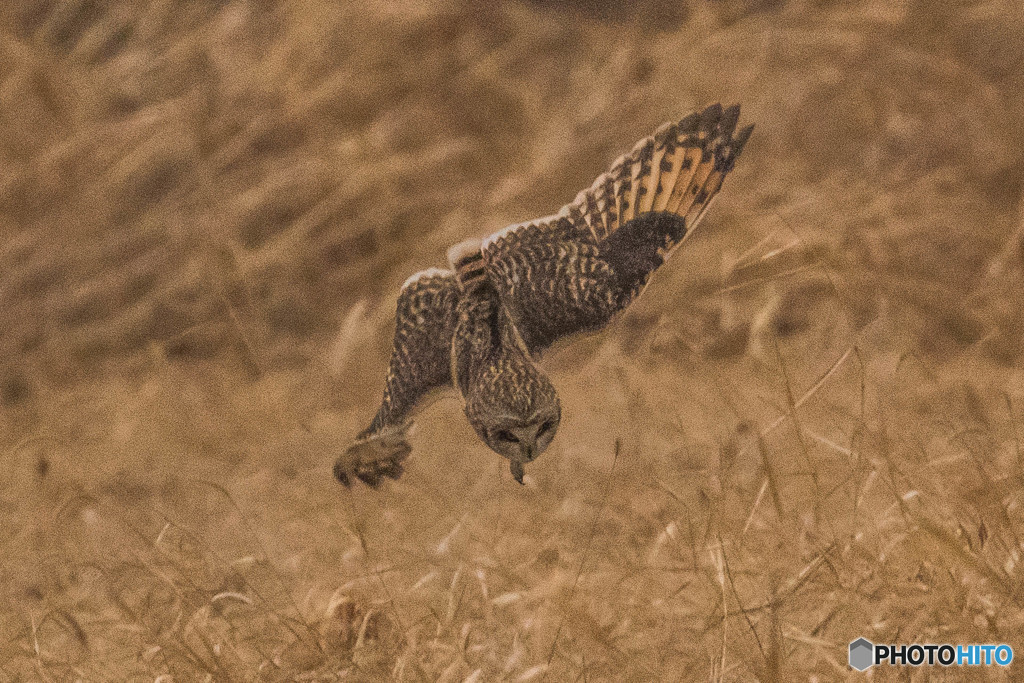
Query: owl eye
x=544, y=428
x=505, y=435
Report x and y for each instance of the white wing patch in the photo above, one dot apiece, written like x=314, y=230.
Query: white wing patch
x=424, y=275
x=502, y=234
x=510, y=230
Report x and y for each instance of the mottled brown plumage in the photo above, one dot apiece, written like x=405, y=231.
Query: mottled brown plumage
x=482, y=326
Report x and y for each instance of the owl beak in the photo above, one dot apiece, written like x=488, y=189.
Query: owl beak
x=517, y=470
x=528, y=451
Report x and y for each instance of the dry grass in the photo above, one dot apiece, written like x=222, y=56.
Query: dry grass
x=808, y=430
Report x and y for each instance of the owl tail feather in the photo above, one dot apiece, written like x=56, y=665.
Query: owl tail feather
x=467, y=260
x=375, y=455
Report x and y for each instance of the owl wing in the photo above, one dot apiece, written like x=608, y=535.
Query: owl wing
x=573, y=271
x=420, y=363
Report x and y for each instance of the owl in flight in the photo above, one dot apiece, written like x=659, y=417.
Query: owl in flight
x=481, y=326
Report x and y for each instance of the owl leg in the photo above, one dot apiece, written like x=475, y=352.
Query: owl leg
x=420, y=364
x=379, y=450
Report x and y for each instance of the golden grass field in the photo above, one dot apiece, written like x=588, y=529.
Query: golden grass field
x=207, y=208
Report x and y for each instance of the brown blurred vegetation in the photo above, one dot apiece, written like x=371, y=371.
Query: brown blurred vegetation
x=206, y=209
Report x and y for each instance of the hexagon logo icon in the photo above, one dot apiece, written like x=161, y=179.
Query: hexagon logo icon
x=862, y=653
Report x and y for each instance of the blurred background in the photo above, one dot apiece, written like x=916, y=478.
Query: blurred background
x=207, y=208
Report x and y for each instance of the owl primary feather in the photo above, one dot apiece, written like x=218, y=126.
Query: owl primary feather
x=481, y=325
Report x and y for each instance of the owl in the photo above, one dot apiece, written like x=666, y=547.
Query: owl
x=481, y=325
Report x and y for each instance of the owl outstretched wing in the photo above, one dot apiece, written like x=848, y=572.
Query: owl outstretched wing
x=573, y=271
x=420, y=363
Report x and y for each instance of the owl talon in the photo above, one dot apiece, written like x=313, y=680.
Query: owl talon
x=341, y=475
x=369, y=477
x=371, y=473
x=393, y=469
x=371, y=458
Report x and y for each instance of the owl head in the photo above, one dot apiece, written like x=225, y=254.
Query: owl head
x=515, y=410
